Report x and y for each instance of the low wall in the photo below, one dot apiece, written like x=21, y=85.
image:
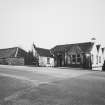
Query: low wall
x=15, y=61
x=97, y=68
x=2, y=61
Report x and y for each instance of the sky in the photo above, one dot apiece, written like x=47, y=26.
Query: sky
x=50, y=22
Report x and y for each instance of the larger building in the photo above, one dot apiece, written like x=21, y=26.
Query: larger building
x=89, y=55
x=12, y=56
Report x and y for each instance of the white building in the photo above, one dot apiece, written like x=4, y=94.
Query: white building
x=97, y=56
x=44, y=56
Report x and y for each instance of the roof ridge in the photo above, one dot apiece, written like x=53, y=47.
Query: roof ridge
x=12, y=48
x=43, y=52
x=85, y=46
x=8, y=48
x=74, y=43
x=43, y=48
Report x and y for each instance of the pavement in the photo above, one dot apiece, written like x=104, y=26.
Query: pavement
x=21, y=85
x=56, y=72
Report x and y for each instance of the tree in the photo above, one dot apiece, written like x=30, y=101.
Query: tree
x=31, y=60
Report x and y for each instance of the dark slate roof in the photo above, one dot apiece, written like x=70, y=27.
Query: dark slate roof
x=43, y=52
x=9, y=52
x=21, y=52
x=85, y=47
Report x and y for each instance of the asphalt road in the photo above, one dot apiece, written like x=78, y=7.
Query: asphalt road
x=21, y=85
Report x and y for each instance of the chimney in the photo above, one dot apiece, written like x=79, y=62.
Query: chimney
x=93, y=40
x=34, y=45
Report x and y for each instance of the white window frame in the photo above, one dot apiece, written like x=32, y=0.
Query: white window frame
x=78, y=58
x=99, y=59
x=92, y=59
x=48, y=60
x=69, y=59
x=72, y=59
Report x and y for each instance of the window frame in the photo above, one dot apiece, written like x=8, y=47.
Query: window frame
x=78, y=57
x=92, y=59
x=99, y=59
x=48, y=60
x=74, y=62
x=69, y=59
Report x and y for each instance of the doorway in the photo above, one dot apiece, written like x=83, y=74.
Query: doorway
x=59, y=61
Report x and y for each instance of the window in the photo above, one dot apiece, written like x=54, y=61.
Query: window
x=92, y=59
x=96, y=59
x=99, y=59
x=73, y=58
x=48, y=60
x=69, y=59
x=78, y=58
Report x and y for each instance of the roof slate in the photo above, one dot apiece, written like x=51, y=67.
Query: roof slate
x=85, y=47
x=43, y=52
x=8, y=52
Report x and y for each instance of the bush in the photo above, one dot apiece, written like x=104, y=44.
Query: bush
x=30, y=59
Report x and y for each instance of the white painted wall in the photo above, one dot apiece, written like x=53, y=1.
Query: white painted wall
x=43, y=61
x=97, y=65
x=104, y=54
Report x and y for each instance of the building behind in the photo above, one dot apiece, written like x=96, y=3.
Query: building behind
x=12, y=56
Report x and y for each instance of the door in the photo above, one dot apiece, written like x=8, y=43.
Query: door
x=59, y=61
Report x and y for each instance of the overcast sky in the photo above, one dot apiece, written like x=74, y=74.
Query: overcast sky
x=50, y=22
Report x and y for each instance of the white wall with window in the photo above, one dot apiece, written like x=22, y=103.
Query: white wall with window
x=46, y=61
x=96, y=58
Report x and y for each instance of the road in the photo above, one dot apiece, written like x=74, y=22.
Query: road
x=20, y=85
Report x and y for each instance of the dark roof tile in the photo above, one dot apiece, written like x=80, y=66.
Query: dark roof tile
x=43, y=52
x=9, y=52
x=85, y=47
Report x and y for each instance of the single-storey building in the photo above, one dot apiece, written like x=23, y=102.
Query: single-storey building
x=88, y=55
x=44, y=56
x=12, y=56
